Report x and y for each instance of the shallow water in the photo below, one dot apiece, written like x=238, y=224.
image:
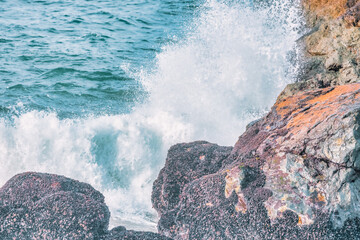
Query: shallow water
x=99, y=90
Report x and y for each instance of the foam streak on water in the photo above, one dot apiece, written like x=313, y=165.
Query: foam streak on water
x=226, y=72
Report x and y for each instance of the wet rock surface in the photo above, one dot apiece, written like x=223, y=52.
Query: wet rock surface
x=294, y=174
x=331, y=46
x=47, y=206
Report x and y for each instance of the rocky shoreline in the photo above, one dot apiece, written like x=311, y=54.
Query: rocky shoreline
x=47, y=206
x=293, y=174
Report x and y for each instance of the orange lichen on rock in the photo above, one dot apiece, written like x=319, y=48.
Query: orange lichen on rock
x=305, y=110
x=338, y=91
x=287, y=105
x=305, y=117
x=321, y=198
x=326, y=8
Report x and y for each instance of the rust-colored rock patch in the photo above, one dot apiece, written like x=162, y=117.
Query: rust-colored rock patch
x=326, y=8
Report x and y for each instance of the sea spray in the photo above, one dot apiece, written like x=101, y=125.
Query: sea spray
x=225, y=72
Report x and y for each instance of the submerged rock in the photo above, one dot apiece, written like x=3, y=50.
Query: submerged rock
x=47, y=206
x=295, y=174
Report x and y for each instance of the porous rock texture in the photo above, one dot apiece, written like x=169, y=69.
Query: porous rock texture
x=185, y=163
x=47, y=206
x=293, y=174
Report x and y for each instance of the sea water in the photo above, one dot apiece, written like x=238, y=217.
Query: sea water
x=99, y=90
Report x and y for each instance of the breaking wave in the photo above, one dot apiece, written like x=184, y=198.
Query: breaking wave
x=225, y=72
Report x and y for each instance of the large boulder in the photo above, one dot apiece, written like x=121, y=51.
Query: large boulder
x=185, y=162
x=294, y=174
x=47, y=206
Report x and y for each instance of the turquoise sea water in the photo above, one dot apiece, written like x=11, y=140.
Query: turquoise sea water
x=99, y=90
x=68, y=56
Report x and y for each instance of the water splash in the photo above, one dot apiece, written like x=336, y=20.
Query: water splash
x=226, y=72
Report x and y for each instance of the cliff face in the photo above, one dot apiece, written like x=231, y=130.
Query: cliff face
x=332, y=46
x=295, y=173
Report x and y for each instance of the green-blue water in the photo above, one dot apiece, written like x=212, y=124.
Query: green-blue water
x=68, y=56
x=99, y=90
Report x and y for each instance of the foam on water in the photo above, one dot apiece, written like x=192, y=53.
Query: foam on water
x=208, y=86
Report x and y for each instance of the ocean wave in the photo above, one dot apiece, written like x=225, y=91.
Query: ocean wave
x=225, y=72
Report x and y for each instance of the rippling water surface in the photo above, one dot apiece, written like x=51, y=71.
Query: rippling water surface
x=99, y=90
x=68, y=56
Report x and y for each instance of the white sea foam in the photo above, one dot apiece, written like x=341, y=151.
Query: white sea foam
x=226, y=72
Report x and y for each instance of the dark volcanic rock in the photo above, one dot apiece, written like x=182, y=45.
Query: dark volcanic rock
x=121, y=233
x=295, y=174
x=185, y=163
x=47, y=206
x=27, y=188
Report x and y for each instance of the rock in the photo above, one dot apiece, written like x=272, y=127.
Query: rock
x=295, y=174
x=309, y=155
x=336, y=48
x=27, y=188
x=322, y=10
x=331, y=48
x=121, y=233
x=185, y=163
x=352, y=15
x=48, y=206
x=45, y=206
x=333, y=62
